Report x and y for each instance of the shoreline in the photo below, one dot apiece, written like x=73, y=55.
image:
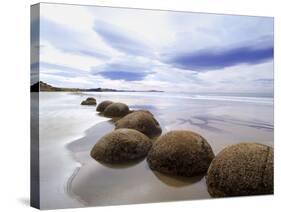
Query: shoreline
x=68, y=186
x=58, y=128
x=81, y=164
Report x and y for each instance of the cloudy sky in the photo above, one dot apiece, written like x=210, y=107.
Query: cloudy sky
x=89, y=47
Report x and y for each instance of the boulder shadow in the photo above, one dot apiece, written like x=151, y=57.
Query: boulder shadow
x=177, y=181
x=121, y=165
x=112, y=120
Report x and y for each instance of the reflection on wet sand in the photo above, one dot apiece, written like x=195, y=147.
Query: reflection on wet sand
x=177, y=181
x=123, y=165
x=95, y=183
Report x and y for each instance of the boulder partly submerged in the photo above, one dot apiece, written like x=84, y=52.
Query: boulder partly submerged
x=121, y=146
x=180, y=153
x=116, y=110
x=241, y=170
x=89, y=101
x=101, y=106
x=143, y=121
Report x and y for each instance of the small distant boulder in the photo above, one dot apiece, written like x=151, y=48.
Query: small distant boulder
x=180, y=153
x=143, y=121
x=116, y=110
x=241, y=170
x=121, y=146
x=89, y=101
x=101, y=106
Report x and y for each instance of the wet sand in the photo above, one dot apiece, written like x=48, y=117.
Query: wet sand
x=90, y=183
x=62, y=120
x=103, y=184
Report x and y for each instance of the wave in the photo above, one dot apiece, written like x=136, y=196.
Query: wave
x=211, y=97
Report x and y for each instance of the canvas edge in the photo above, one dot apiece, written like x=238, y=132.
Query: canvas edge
x=34, y=106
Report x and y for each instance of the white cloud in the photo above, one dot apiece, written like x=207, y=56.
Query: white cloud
x=77, y=22
x=240, y=78
x=50, y=54
x=152, y=27
x=164, y=34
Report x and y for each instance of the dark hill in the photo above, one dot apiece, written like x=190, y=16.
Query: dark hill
x=46, y=87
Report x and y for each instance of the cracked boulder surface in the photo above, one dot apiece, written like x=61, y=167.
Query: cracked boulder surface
x=180, y=153
x=121, y=146
x=241, y=170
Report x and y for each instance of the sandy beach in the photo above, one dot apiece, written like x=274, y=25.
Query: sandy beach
x=68, y=131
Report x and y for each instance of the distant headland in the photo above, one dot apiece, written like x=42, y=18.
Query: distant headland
x=49, y=88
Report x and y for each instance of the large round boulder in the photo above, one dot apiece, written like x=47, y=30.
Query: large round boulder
x=101, y=106
x=241, y=170
x=121, y=146
x=142, y=121
x=116, y=110
x=180, y=153
x=89, y=101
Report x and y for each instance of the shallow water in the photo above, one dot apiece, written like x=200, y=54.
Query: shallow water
x=70, y=178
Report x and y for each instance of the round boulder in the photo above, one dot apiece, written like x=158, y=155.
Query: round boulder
x=142, y=121
x=241, y=170
x=116, y=110
x=101, y=106
x=89, y=101
x=121, y=146
x=180, y=153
